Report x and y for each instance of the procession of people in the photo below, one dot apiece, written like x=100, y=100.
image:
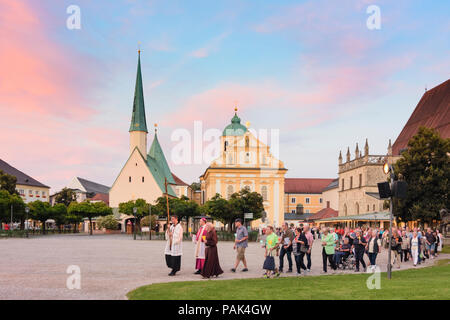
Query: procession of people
x=342, y=248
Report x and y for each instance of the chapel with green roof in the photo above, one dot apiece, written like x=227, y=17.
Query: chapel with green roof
x=145, y=174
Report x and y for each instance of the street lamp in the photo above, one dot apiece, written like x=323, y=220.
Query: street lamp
x=387, y=168
x=150, y=221
x=27, y=210
x=134, y=226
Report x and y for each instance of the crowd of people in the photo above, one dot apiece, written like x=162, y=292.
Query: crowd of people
x=344, y=244
x=342, y=248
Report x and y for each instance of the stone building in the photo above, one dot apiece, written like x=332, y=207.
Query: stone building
x=358, y=179
x=246, y=162
x=330, y=195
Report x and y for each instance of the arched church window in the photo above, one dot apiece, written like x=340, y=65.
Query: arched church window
x=142, y=179
x=264, y=192
x=247, y=142
x=225, y=145
x=129, y=179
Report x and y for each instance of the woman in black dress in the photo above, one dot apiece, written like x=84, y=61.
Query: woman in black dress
x=212, y=266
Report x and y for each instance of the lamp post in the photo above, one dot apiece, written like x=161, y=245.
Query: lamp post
x=150, y=221
x=10, y=228
x=27, y=210
x=387, y=168
x=134, y=226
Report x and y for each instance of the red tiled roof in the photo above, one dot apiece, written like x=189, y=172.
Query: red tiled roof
x=324, y=213
x=101, y=197
x=305, y=185
x=178, y=181
x=432, y=111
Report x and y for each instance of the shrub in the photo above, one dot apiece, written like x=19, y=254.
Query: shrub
x=107, y=222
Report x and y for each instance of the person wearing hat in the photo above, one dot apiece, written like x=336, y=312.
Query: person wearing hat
x=240, y=243
x=199, y=241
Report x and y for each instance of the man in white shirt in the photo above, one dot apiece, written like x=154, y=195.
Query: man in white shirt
x=174, y=249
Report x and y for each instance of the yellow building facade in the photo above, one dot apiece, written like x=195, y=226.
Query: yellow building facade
x=246, y=162
x=304, y=193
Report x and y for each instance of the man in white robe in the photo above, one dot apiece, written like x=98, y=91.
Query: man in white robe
x=174, y=248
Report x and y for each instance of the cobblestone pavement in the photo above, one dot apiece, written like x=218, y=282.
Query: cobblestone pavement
x=112, y=265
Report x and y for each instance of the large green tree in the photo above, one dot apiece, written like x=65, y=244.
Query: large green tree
x=90, y=210
x=14, y=201
x=239, y=203
x=60, y=215
x=181, y=207
x=8, y=182
x=425, y=166
x=246, y=201
x=220, y=209
x=142, y=209
x=41, y=211
x=65, y=196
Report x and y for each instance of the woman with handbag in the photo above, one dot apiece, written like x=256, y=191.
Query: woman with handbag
x=271, y=247
x=300, y=248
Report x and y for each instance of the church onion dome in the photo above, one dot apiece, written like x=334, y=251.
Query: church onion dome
x=235, y=128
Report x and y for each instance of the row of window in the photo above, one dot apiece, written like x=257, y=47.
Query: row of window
x=129, y=179
x=351, y=182
x=295, y=211
x=307, y=200
x=32, y=193
x=357, y=208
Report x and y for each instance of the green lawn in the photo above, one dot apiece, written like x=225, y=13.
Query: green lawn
x=424, y=283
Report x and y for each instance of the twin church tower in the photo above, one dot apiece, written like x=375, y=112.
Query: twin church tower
x=145, y=173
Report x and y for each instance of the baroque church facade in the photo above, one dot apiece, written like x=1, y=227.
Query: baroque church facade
x=145, y=174
x=246, y=162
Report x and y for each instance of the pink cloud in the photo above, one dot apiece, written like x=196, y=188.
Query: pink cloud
x=45, y=105
x=39, y=75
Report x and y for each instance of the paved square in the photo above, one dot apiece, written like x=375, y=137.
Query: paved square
x=111, y=265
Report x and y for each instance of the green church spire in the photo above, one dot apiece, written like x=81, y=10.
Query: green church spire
x=138, y=121
x=157, y=154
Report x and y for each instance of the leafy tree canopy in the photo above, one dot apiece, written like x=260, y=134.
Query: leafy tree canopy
x=425, y=166
x=8, y=182
x=65, y=196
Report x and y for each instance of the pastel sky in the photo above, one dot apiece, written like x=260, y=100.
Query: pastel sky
x=311, y=69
